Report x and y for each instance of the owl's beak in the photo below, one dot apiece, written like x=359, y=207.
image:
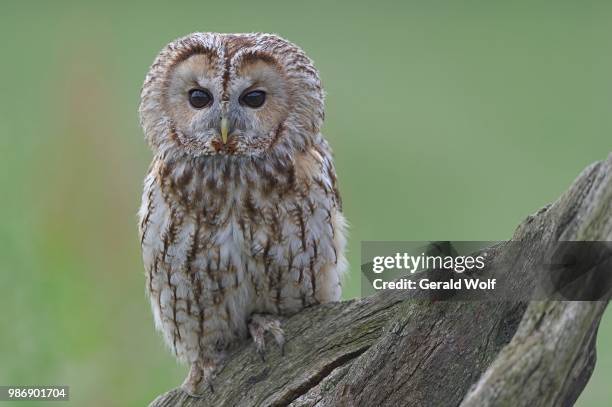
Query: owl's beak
x=224, y=129
x=224, y=122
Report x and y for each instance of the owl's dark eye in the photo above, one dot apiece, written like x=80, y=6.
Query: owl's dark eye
x=254, y=99
x=200, y=98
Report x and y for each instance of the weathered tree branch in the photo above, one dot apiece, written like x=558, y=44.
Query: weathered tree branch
x=391, y=350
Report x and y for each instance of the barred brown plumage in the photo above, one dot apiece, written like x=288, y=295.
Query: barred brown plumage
x=236, y=232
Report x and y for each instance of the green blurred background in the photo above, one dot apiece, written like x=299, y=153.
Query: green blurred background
x=449, y=120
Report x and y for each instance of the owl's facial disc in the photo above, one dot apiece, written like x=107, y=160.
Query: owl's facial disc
x=239, y=112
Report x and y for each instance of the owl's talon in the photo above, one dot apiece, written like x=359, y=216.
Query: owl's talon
x=258, y=326
x=200, y=377
x=194, y=395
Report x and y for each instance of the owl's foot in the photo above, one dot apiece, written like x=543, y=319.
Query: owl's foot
x=199, y=379
x=259, y=324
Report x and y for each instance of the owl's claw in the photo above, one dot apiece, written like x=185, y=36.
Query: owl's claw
x=199, y=375
x=194, y=395
x=262, y=354
x=258, y=326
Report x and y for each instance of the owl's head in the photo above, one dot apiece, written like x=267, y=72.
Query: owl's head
x=232, y=95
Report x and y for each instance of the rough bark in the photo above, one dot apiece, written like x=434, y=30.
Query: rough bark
x=391, y=350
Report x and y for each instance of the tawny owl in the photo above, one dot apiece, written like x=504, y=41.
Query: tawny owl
x=241, y=218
